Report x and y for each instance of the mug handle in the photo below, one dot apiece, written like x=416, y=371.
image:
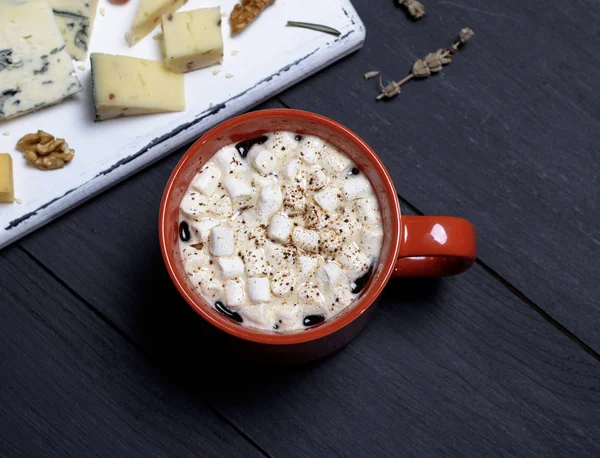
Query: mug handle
x=435, y=246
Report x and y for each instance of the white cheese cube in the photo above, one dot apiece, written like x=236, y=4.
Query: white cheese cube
x=329, y=275
x=307, y=266
x=235, y=293
x=230, y=161
x=283, y=283
x=221, y=241
x=263, y=160
x=269, y=202
x=259, y=289
x=75, y=19
x=207, y=179
x=305, y=239
x=356, y=186
x=194, y=205
x=255, y=261
x=237, y=188
x=220, y=206
x=231, y=267
x=353, y=260
x=148, y=17
x=128, y=86
x=334, y=163
x=329, y=199
x=192, y=39
x=202, y=228
x=35, y=69
x=371, y=241
x=280, y=228
x=368, y=210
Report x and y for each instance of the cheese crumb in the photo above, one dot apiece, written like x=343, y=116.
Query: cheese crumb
x=216, y=72
x=81, y=67
x=228, y=75
x=6, y=133
x=235, y=52
x=210, y=105
x=224, y=14
x=102, y=12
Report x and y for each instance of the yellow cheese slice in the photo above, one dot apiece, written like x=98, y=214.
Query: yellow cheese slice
x=148, y=17
x=7, y=191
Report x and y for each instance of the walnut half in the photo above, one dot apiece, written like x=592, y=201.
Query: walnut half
x=44, y=151
x=244, y=13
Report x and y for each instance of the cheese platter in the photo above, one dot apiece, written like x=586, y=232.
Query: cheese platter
x=110, y=92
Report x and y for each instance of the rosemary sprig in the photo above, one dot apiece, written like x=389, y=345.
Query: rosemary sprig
x=422, y=68
x=415, y=8
x=317, y=27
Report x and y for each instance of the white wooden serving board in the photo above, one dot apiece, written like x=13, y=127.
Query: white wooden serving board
x=270, y=58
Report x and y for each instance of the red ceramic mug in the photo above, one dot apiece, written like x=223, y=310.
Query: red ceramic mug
x=423, y=246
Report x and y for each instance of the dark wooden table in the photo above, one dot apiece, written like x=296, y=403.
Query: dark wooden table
x=100, y=356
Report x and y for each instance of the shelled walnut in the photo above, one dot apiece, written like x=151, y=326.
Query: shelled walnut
x=245, y=12
x=44, y=151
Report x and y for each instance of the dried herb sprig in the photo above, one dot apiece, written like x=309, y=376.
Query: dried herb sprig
x=317, y=27
x=422, y=68
x=415, y=8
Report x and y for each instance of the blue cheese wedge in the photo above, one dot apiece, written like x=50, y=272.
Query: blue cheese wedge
x=35, y=69
x=75, y=19
x=192, y=39
x=128, y=86
x=148, y=15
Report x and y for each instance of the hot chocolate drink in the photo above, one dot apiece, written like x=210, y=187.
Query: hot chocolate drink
x=280, y=232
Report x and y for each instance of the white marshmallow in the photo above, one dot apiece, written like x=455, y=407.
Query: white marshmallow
x=202, y=228
x=257, y=315
x=307, y=265
x=293, y=198
x=220, y=206
x=237, y=189
x=368, y=210
x=333, y=162
x=231, y=267
x=346, y=225
x=259, y=236
x=280, y=257
x=221, y=241
x=314, y=217
x=286, y=317
x=194, y=204
x=255, y=261
x=291, y=169
x=235, y=294
x=356, y=186
x=353, y=260
x=269, y=202
x=207, y=179
x=260, y=182
x=283, y=283
x=259, y=289
x=329, y=275
x=196, y=262
x=310, y=147
x=309, y=294
x=281, y=142
x=280, y=228
x=371, y=241
x=331, y=241
x=208, y=284
x=230, y=160
x=317, y=179
x=329, y=199
x=342, y=297
x=306, y=239
x=263, y=160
